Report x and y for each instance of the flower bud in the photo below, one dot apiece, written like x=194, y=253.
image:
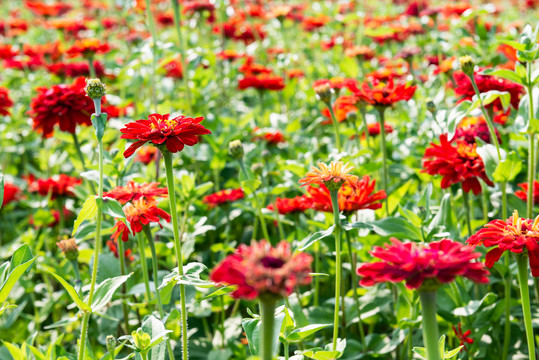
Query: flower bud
x=141, y=339
x=111, y=344
x=95, y=89
x=324, y=93
x=235, y=149
x=351, y=116
x=467, y=65
x=257, y=168
x=431, y=106
x=69, y=248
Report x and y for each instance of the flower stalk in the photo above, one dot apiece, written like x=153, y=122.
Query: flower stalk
x=267, y=318
x=383, y=150
x=338, y=265
x=522, y=265
x=430, y=325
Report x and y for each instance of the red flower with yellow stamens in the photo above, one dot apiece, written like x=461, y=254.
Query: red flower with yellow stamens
x=87, y=48
x=133, y=191
x=294, y=205
x=224, y=197
x=138, y=213
x=263, y=270
x=353, y=196
x=168, y=134
x=456, y=164
x=523, y=194
x=58, y=185
x=64, y=105
x=379, y=93
x=336, y=173
x=474, y=127
x=428, y=265
x=516, y=234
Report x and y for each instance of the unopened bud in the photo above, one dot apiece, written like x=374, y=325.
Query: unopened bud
x=431, y=106
x=257, y=168
x=111, y=344
x=95, y=89
x=324, y=92
x=141, y=339
x=235, y=149
x=351, y=116
x=467, y=65
x=69, y=248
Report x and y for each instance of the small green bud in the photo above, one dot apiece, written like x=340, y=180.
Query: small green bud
x=351, y=116
x=324, y=93
x=431, y=106
x=141, y=339
x=235, y=149
x=69, y=248
x=95, y=89
x=257, y=168
x=467, y=65
x=111, y=344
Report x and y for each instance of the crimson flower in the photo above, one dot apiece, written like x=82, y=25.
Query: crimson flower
x=383, y=94
x=456, y=164
x=294, y=205
x=262, y=270
x=11, y=193
x=224, y=197
x=374, y=129
x=57, y=185
x=63, y=105
x=463, y=337
x=87, y=48
x=168, y=134
x=133, y=191
x=138, y=213
x=423, y=266
x=262, y=82
x=474, y=127
x=5, y=101
x=75, y=69
x=523, y=194
x=272, y=137
x=515, y=234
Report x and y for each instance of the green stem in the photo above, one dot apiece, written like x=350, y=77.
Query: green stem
x=383, y=150
x=531, y=174
x=81, y=157
x=76, y=272
x=316, y=300
x=267, y=317
x=257, y=204
x=338, y=266
x=122, y=272
x=507, y=284
x=522, y=264
x=430, y=325
x=466, y=200
x=167, y=156
x=91, y=68
x=286, y=350
x=144, y=265
x=278, y=219
x=335, y=127
x=185, y=77
x=151, y=26
x=351, y=259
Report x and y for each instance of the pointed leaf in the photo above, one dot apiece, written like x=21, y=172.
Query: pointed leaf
x=105, y=290
x=88, y=211
x=73, y=293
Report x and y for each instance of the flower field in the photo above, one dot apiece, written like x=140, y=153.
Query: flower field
x=247, y=179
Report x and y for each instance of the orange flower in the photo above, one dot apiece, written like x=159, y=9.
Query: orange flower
x=333, y=176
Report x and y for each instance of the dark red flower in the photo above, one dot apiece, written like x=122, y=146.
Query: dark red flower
x=76, y=69
x=463, y=337
x=374, y=129
x=474, y=127
x=515, y=234
x=88, y=48
x=224, y=197
x=262, y=82
x=173, y=68
x=272, y=137
x=5, y=101
x=134, y=191
x=456, y=164
x=11, y=193
x=294, y=205
x=378, y=93
x=57, y=185
x=417, y=264
x=523, y=194
x=262, y=270
x=353, y=196
x=169, y=134
x=63, y=105
x=138, y=213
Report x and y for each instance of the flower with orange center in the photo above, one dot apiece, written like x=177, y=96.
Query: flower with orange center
x=333, y=176
x=474, y=127
x=133, y=191
x=294, y=205
x=456, y=164
x=515, y=234
x=139, y=213
x=167, y=134
x=382, y=94
x=87, y=48
x=353, y=196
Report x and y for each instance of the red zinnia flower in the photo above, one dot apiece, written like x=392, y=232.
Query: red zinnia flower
x=58, y=185
x=261, y=270
x=133, y=191
x=76, y=69
x=514, y=234
x=457, y=164
x=174, y=133
x=474, y=127
x=224, y=197
x=293, y=205
x=11, y=193
x=463, y=337
x=87, y=48
x=382, y=94
x=374, y=129
x=147, y=154
x=65, y=105
x=353, y=196
x=272, y=137
x=262, y=82
x=341, y=107
x=139, y=213
x=434, y=263
x=5, y=101
x=45, y=9
x=523, y=194
x=113, y=246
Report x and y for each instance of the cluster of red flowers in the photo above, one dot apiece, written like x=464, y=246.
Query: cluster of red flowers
x=57, y=186
x=224, y=197
x=382, y=94
x=456, y=164
x=262, y=270
x=423, y=266
x=87, y=48
x=259, y=77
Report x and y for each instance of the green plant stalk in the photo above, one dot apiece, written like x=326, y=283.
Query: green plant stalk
x=167, y=156
x=155, y=271
x=185, y=77
x=81, y=157
x=354, y=289
x=144, y=265
x=383, y=150
x=365, y=125
x=338, y=266
x=91, y=67
x=522, y=265
x=466, y=200
x=278, y=220
x=286, y=346
x=507, y=284
x=316, y=297
x=335, y=126
x=267, y=318
x=97, y=251
x=531, y=175
x=61, y=217
x=257, y=203
x=122, y=272
x=76, y=272
x=151, y=25
x=430, y=325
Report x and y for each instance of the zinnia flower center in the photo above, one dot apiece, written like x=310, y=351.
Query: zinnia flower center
x=272, y=262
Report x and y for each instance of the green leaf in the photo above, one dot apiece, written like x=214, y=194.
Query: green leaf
x=15, y=352
x=474, y=305
x=313, y=238
x=250, y=186
x=488, y=153
x=456, y=115
x=328, y=353
x=190, y=277
x=113, y=208
x=1, y=188
x=396, y=226
x=22, y=255
x=490, y=96
x=88, y=211
x=219, y=292
x=155, y=328
x=508, y=168
x=15, y=272
x=523, y=121
x=252, y=330
x=452, y=353
x=73, y=293
x=100, y=123
x=505, y=74
x=303, y=332
x=105, y=290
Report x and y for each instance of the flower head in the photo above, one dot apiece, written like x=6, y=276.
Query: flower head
x=11, y=193
x=333, y=176
x=342, y=106
x=294, y=205
x=95, y=89
x=87, y=48
x=5, y=101
x=262, y=270
x=463, y=337
x=515, y=234
x=168, y=134
x=423, y=266
x=380, y=93
x=139, y=213
x=70, y=248
x=224, y=197
x=262, y=82
x=134, y=191
x=57, y=185
x=456, y=164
